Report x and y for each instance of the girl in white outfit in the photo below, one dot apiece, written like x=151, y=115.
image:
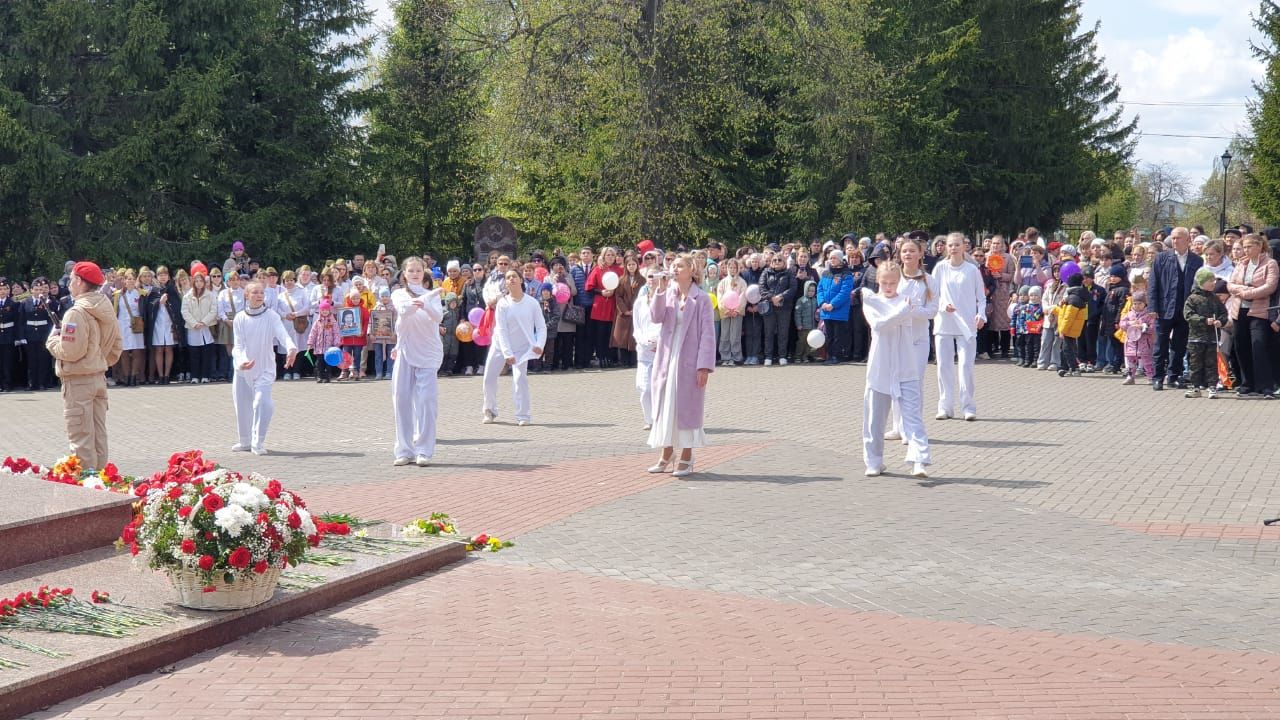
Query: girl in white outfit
x=646, y=332
x=920, y=289
x=519, y=334
x=258, y=329
x=962, y=312
x=891, y=373
x=293, y=302
x=418, y=354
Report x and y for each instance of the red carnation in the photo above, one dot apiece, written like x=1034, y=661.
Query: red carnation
x=273, y=489
x=480, y=539
x=184, y=511
x=175, y=492
x=314, y=540
x=129, y=534
x=209, y=536
x=133, y=548
x=263, y=518
x=141, y=489
x=189, y=546
x=295, y=520
x=240, y=558
x=260, y=567
x=212, y=502
x=209, y=588
x=111, y=469
x=206, y=562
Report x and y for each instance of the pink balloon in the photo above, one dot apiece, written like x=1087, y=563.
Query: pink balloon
x=475, y=315
x=731, y=300
x=480, y=340
x=540, y=273
x=562, y=293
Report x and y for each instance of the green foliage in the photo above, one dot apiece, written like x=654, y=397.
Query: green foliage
x=1262, y=181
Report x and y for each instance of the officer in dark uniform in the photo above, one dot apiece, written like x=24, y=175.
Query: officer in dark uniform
x=11, y=321
x=41, y=313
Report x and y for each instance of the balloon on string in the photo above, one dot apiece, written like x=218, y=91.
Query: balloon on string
x=540, y=273
x=475, y=315
x=333, y=356
x=816, y=338
x=753, y=293
x=562, y=293
x=463, y=331
x=609, y=280
x=731, y=300
x=481, y=340
x=1068, y=269
x=491, y=292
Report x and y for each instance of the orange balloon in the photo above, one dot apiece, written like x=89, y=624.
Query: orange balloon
x=463, y=331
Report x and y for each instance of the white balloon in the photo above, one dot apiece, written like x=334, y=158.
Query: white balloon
x=491, y=292
x=609, y=280
x=753, y=293
x=816, y=339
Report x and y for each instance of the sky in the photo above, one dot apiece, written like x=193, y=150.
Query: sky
x=1195, y=53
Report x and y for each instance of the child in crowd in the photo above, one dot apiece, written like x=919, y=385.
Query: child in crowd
x=532, y=285
x=1109, y=348
x=1030, y=324
x=382, y=346
x=1204, y=314
x=323, y=335
x=891, y=374
x=806, y=317
x=1087, y=345
x=449, y=333
x=731, y=319
x=1055, y=292
x=1017, y=330
x=552, y=311
x=1072, y=314
x=1139, y=327
x=353, y=345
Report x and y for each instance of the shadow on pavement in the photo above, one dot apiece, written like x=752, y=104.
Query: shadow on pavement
x=572, y=425
x=484, y=441
x=315, y=635
x=1007, y=484
x=992, y=443
x=1033, y=420
x=732, y=431
x=775, y=479
x=521, y=467
x=316, y=454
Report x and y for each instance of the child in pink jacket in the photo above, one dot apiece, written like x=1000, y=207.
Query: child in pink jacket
x=1139, y=326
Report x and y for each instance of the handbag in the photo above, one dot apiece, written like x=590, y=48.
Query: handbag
x=575, y=314
x=136, y=324
x=300, y=321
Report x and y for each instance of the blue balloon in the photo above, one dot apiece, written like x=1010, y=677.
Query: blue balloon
x=333, y=356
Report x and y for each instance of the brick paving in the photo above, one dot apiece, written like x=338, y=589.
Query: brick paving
x=1083, y=550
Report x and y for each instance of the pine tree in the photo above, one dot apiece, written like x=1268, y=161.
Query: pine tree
x=1262, y=181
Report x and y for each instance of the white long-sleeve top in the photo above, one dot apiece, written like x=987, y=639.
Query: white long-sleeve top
x=643, y=328
x=519, y=327
x=418, y=328
x=922, y=294
x=891, y=360
x=230, y=302
x=962, y=288
x=257, y=334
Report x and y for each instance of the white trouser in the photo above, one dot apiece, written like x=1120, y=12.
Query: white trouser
x=1050, y=349
x=254, y=408
x=950, y=346
x=875, y=415
x=520, y=377
x=642, y=384
x=415, y=402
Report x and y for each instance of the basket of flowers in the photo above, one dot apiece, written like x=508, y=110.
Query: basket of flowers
x=222, y=537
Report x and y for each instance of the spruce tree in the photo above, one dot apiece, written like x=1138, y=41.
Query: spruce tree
x=1262, y=180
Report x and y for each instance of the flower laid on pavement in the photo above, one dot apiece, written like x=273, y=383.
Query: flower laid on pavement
x=69, y=471
x=439, y=524
x=58, y=610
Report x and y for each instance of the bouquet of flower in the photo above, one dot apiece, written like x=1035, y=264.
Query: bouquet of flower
x=220, y=524
x=439, y=524
x=21, y=467
x=69, y=471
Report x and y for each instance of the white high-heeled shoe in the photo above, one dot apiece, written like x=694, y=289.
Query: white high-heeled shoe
x=661, y=467
x=684, y=468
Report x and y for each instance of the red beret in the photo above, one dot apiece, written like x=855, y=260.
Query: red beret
x=88, y=272
x=198, y=268
x=1054, y=246
x=645, y=245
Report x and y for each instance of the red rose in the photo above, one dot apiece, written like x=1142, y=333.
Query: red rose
x=209, y=536
x=209, y=588
x=314, y=540
x=184, y=511
x=189, y=546
x=260, y=567
x=480, y=539
x=337, y=528
x=240, y=558
x=111, y=469
x=295, y=520
x=206, y=562
x=175, y=492
x=141, y=489
x=133, y=548
x=273, y=489
x=212, y=502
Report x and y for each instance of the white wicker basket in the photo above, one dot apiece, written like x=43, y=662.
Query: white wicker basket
x=248, y=590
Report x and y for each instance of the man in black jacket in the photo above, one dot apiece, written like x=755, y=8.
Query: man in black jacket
x=1172, y=279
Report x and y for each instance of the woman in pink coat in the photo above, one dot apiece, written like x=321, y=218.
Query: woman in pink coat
x=685, y=357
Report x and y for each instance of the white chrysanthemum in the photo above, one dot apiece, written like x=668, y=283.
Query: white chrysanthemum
x=308, y=525
x=412, y=531
x=95, y=483
x=248, y=497
x=233, y=519
x=213, y=477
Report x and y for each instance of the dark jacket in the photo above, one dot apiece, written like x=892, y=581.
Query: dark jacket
x=12, y=320
x=171, y=302
x=584, y=297
x=39, y=319
x=1113, y=306
x=1168, y=287
x=777, y=283
x=1201, y=306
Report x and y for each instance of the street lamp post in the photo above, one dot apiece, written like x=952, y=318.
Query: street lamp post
x=1222, y=219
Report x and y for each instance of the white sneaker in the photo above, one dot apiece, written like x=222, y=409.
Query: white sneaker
x=521, y=423
x=193, y=381
x=970, y=416
x=783, y=361
x=873, y=472
x=648, y=426
x=258, y=450
x=401, y=461
x=204, y=381
x=489, y=417
x=893, y=435
x=767, y=362
x=918, y=470
x=942, y=416
x=422, y=461
x=468, y=371
x=239, y=447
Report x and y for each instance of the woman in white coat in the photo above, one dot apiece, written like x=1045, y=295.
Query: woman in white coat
x=418, y=354
x=519, y=335
x=918, y=288
x=292, y=303
x=962, y=312
x=646, y=332
x=891, y=373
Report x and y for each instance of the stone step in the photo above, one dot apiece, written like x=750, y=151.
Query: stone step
x=41, y=520
x=96, y=662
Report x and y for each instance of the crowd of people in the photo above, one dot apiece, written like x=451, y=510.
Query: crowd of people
x=1179, y=309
